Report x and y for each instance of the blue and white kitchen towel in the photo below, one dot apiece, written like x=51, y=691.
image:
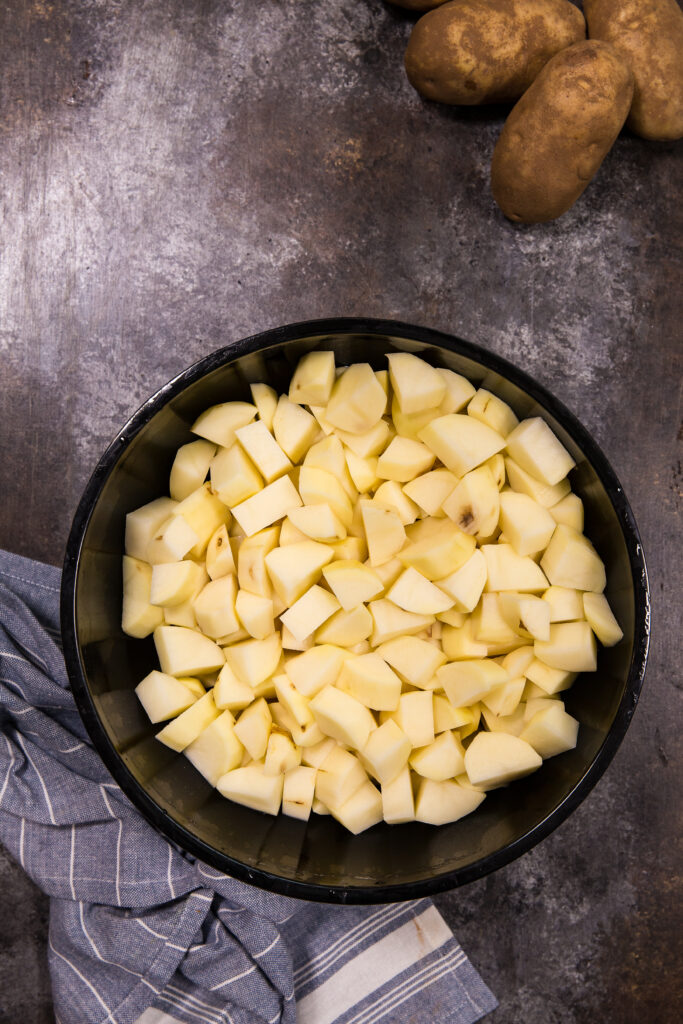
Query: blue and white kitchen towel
x=140, y=932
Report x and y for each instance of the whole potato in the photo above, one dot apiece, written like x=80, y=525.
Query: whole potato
x=417, y=5
x=560, y=131
x=488, y=51
x=649, y=35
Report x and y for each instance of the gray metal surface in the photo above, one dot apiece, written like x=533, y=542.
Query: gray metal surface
x=178, y=174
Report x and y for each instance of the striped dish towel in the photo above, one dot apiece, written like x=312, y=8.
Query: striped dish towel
x=140, y=931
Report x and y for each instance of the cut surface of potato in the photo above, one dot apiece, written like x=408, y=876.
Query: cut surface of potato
x=461, y=442
x=298, y=792
x=384, y=532
x=297, y=567
x=220, y=422
x=506, y=570
x=265, y=400
x=253, y=727
x=255, y=613
x=398, y=804
x=309, y=611
x=216, y=750
x=318, y=522
x=214, y=607
x=316, y=668
x=570, y=560
x=343, y=717
x=414, y=593
x=441, y=553
x=466, y=682
x=430, y=490
x=440, y=802
x=571, y=647
x=139, y=617
x=253, y=661
x=313, y=379
x=338, y=778
x=551, y=731
x=352, y=583
x=369, y=679
x=415, y=660
x=184, y=729
x=442, y=759
x=535, y=448
x=601, y=619
x=466, y=584
x=361, y=811
x=173, y=540
x=357, y=401
x=346, y=629
x=163, y=696
x=234, y=476
x=528, y=525
x=386, y=752
x=414, y=717
x=190, y=468
x=492, y=411
x=390, y=621
x=267, y=506
x=403, y=460
x=184, y=652
x=295, y=429
x=143, y=523
x=253, y=788
x=495, y=758
x=220, y=559
x=474, y=504
x=416, y=384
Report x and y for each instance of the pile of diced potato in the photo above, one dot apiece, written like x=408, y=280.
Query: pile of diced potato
x=370, y=607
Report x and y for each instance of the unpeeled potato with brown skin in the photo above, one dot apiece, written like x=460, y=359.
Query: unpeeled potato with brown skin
x=488, y=51
x=558, y=134
x=649, y=35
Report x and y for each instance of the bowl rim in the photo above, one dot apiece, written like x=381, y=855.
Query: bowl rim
x=187, y=840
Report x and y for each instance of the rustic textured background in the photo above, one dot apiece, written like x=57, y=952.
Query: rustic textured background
x=175, y=174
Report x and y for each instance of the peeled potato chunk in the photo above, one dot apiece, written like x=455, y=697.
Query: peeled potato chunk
x=398, y=804
x=361, y=811
x=416, y=384
x=535, y=448
x=551, y=731
x=139, y=616
x=217, y=749
x=184, y=729
x=313, y=379
x=252, y=787
x=461, y=442
x=495, y=758
x=298, y=791
x=163, y=696
x=601, y=619
x=440, y=802
x=184, y=652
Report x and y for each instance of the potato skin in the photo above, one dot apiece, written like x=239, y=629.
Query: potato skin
x=559, y=133
x=417, y=5
x=488, y=51
x=649, y=35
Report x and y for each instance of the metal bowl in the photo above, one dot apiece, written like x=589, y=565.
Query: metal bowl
x=319, y=860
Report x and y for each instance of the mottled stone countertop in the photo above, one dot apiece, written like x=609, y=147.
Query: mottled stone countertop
x=178, y=174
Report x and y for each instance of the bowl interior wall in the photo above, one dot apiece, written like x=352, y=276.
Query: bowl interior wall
x=321, y=852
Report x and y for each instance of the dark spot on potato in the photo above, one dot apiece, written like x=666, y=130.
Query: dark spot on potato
x=466, y=519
